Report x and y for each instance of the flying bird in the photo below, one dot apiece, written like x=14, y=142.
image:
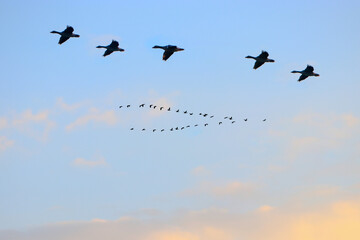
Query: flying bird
x=176, y=128
x=233, y=122
x=185, y=112
x=261, y=59
x=230, y=118
x=161, y=108
x=196, y=125
x=220, y=123
x=225, y=117
x=212, y=116
x=66, y=34
x=143, y=129
x=154, y=130
x=206, y=124
x=169, y=109
x=200, y=113
x=154, y=107
x=128, y=106
x=131, y=128
x=150, y=106
x=171, y=129
x=264, y=120
x=191, y=114
x=188, y=126
x=142, y=105
x=205, y=114
x=120, y=106
x=168, y=50
x=112, y=47
x=178, y=110
x=309, y=71
x=182, y=128
x=162, y=130
x=245, y=119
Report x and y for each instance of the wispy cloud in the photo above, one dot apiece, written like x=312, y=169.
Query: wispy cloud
x=96, y=116
x=82, y=162
x=67, y=107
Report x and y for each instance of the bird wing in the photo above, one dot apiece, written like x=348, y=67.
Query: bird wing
x=258, y=64
x=114, y=44
x=63, y=39
x=69, y=30
x=302, y=77
x=107, y=52
x=167, y=54
x=309, y=68
x=263, y=55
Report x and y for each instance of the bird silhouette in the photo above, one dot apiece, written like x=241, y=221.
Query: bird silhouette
x=206, y=124
x=127, y=106
x=261, y=59
x=171, y=129
x=245, y=119
x=66, y=34
x=162, y=130
x=142, y=105
x=154, y=107
x=233, y=122
x=131, y=128
x=143, y=129
x=200, y=113
x=220, y=123
x=205, y=114
x=168, y=50
x=150, y=106
x=177, y=110
x=309, y=71
x=161, y=108
x=230, y=118
x=196, y=125
x=169, y=109
x=212, y=116
x=182, y=128
x=154, y=130
x=185, y=112
x=225, y=117
x=176, y=128
x=188, y=126
x=264, y=120
x=112, y=47
x=191, y=114
x=120, y=106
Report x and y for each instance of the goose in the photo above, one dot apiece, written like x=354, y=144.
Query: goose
x=176, y=128
x=178, y=110
x=168, y=50
x=154, y=107
x=220, y=123
x=225, y=117
x=309, y=71
x=230, y=118
x=154, y=130
x=143, y=129
x=171, y=129
x=232, y=122
x=182, y=128
x=162, y=130
x=245, y=119
x=66, y=34
x=142, y=105
x=120, y=106
x=169, y=109
x=188, y=126
x=206, y=124
x=150, y=106
x=112, y=47
x=212, y=116
x=196, y=125
x=185, y=112
x=261, y=59
x=131, y=128
x=191, y=114
x=161, y=108
x=205, y=114
x=128, y=106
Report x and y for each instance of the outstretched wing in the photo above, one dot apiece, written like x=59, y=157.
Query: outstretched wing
x=264, y=55
x=114, y=44
x=107, y=52
x=302, y=77
x=258, y=64
x=63, y=39
x=309, y=68
x=167, y=54
x=69, y=30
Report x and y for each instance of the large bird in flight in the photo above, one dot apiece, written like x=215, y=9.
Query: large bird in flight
x=112, y=47
x=66, y=34
x=261, y=59
x=168, y=50
x=309, y=71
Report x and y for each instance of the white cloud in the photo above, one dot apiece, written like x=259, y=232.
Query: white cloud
x=89, y=163
x=67, y=107
x=3, y=123
x=94, y=115
x=200, y=171
x=5, y=143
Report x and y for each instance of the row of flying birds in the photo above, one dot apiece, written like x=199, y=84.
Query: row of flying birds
x=152, y=106
x=170, y=50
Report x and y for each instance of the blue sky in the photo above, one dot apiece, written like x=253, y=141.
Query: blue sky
x=66, y=152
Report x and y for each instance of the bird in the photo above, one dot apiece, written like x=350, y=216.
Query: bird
x=261, y=59
x=196, y=125
x=185, y=112
x=205, y=114
x=128, y=106
x=142, y=105
x=171, y=129
x=120, y=106
x=143, y=129
x=169, y=109
x=225, y=117
x=154, y=130
x=191, y=114
x=188, y=126
x=150, y=106
x=178, y=110
x=66, y=34
x=206, y=124
x=168, y=50
x=162, y=130
x=245, y=119
x=212, y=116
x=176, y=128
x=233, y=122
x=230, y=118
x=264, y=120
x=309, y=71
x=112, y=47
x=131, y=128
x=154, y=107
x=161, y=108
x=200, y=113
x=182, y=128
x=220, y=123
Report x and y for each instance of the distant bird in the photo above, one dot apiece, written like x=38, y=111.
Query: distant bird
x=190, y=113
x=185, y=112
x=245, y=119
x=150, y=106
x=225, y=117
x=206, y=124
x=233, y=122
x=161, y=108
x=120, y=106
x=196, y=125
x=168, y=50
x=220, y=123
x=143, y=129
x=188, y=126
x=230, y=118
x=154, y=130
x=128, y=106
x=264, y=120
x=112, y=47
x=162, y=130
x=212, y=116
x=177, y=110
x=200, y=113
x=169, y=109
x=182, y=128
x=261, y=59
x=171, y=129
x=154, y=107
x=142, y=105
x=176, y=128
x=205, y=114
x=309, y=71
x=66, y=34
x=131, y=128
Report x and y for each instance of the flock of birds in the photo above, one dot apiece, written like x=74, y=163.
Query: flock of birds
x=168, y=109
x=170, y=50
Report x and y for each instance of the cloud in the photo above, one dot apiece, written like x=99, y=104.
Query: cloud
x=5, y=143
x=265, y=208
x=67, y=107
x=3, y=123
x=94, y=115
x=82, y=162
x=333, y=221
x=27, y=121
x=200, y=171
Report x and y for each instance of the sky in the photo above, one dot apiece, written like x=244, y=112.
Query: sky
x=70, y=168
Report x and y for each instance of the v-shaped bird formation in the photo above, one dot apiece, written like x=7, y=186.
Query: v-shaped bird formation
x=211, y=120
x=169, y=50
